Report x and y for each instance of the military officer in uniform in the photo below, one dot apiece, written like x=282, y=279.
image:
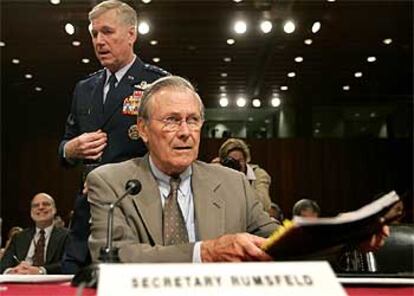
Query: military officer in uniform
x=101, y=126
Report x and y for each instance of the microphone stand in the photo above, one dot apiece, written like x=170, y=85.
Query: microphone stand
x=88, y=276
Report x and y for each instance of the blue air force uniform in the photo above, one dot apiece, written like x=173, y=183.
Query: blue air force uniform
x=117, y=118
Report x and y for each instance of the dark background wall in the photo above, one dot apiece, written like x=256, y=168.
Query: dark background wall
x=340, y=174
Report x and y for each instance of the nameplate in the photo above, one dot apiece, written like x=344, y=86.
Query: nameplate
x=273, y=278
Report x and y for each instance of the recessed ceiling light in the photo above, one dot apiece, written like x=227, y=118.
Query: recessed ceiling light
x=223, y=74
x=316, y=27
x=318, y=124
x=146, y=1
x=76, y=43
x=372, y=114
x=230, y=41
x=371, y=59
x=387, y=41
x=291, y=74
x=2, y=44
x=15, y=61
x=237, y=1
x=240, y=27
x=266, y=26
x=153, y=42
x=85, y=60
x=28, y=76
x=267, y=121
x=143, y=28
x=289, y=27
x=316, y=131
x=331, y=0
x=308, y=41
x=241, y=102
x=284, y=87
x=358, y=74
x=275, y=102
x=156, y=59
x=38, y=88
x=299, y=59
x=346, y=87
x=227, y=59
x=357, y=114
x=222, y=87
x=250, y=118
x=69, y=29
x=256, y=103
x=55, y=2
x=224, y=102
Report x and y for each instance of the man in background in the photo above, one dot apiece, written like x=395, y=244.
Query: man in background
x=38, y=249
x=306, y=208
x=101, y=127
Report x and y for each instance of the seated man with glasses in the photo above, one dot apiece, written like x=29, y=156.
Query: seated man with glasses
x=187, y=210
x=38, y=249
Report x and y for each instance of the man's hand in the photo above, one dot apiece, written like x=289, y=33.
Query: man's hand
x=376, y=241
x=234, y=248
x=86, y=146
x=25, y=268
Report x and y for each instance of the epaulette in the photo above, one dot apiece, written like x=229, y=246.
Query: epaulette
x=156, y=69
x=95, y=73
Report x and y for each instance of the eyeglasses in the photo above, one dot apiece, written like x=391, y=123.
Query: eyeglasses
x=38, y=204
x=173, y=124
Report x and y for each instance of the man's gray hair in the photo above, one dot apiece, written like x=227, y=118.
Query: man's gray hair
x=172, y=82
x=126, y=13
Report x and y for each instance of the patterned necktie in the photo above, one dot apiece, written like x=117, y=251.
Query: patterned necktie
x=174, y=229
x=39, y=254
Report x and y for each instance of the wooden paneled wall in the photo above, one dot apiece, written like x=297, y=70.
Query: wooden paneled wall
x=340, y=174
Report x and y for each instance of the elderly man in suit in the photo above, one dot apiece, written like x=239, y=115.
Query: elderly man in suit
x=188, y=210
x=101, y=127
x=39, y=249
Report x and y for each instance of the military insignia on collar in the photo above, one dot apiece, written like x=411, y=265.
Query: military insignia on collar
x=133, y=132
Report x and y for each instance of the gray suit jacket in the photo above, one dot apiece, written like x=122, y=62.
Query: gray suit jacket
x=223, y=200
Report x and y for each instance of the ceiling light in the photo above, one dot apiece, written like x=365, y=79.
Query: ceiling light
x=284, y=87
x=227, y=59
x=241, y=102
x=69, y=29
x=372, y=114
x=230, y=41
x=143, y=28
x=146, y=1
x=291, y=74
x=371, y=59
x=256, y=103
x=38, y=88
x=266, y=26
x=250, y=119
x=267, y=121
x=316, y=27
x=76, y=43
x=275, y=102
x=224, y=75
x=318, y=124
x=346, y=87
x=156, y=60
x=28, y=76
x=15, y=61
x=55, y=2
x=240, y=27
x=289, y=27
x=85, y=60
x=387, y=41
x=237, y=1
x=222, y=87
x=308, y=41
x=358, y=74
x=224, y=102
x=2, y=44
x=356, y=114
x=316, y=131
x=331, y=0
x=153, y=42
x=299, y=59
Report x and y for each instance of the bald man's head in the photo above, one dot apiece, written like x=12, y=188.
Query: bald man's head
x=43, y=210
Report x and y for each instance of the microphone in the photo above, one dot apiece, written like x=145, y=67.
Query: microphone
x=88, y=276
x=109, y=254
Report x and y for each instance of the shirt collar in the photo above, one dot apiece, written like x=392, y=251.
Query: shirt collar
x=48, y=230
x=250, y=173
x=120, y=73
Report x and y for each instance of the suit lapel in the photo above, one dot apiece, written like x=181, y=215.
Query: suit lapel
x=209, y=209
x=26, y=241
x=52, y=245
x=97, y=101
x=148, y=202
x=124, y=89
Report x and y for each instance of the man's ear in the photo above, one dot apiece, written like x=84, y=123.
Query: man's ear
x=132, y=35
x=142, y=130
